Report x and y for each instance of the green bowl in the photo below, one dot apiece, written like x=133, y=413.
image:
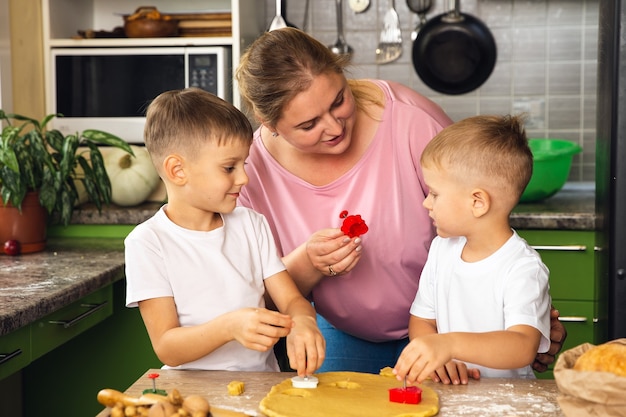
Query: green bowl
x=552, y=160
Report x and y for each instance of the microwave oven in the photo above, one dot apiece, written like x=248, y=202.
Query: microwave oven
x=109, y=89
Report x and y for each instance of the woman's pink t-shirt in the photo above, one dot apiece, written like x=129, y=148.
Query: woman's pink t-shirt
x=386, y=188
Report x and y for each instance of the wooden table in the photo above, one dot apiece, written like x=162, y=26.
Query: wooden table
x=487, y=397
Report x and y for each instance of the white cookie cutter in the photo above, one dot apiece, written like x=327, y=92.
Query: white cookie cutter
x=304, y=382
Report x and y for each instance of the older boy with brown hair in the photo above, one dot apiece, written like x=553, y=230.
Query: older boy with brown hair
x=199, y=268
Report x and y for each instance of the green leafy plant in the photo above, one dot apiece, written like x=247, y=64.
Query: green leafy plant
x=33, y=158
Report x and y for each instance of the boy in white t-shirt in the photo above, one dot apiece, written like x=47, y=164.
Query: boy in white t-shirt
x=199, y=269
x=483, y=304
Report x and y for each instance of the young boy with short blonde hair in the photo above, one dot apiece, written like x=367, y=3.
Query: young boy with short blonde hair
x=483, y=304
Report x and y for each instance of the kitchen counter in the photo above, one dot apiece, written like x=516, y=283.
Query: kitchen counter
x=37, y=284
x=487, y=397
x=572, y=208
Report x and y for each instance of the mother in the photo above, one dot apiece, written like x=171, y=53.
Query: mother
x=328, y=144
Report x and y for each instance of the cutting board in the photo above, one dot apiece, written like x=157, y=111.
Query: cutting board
x=489, y=397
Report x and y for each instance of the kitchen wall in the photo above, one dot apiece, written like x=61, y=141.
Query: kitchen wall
x=6, y=99
x=547, y=60
x=26, y=57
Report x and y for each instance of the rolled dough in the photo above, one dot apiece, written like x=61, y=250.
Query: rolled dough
x=341, y=394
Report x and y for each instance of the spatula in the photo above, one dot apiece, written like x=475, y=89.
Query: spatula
x=390, y=42
x=278, y=22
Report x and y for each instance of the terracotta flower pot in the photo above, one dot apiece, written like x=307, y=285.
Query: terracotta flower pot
x=28, y=227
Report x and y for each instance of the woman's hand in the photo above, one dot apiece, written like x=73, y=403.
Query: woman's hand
x=259, y=328
x=328, y=252
x=306, y=347
x=558, y=334
x=333, y=253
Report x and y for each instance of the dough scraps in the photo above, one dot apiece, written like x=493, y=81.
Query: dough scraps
x=339, y=394
x=235, y=388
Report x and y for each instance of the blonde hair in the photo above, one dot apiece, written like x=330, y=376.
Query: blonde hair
x=489, y=147
x=282, y=63
x=183, y=120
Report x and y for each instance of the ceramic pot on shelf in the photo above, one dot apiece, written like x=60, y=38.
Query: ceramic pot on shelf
x=28, y=227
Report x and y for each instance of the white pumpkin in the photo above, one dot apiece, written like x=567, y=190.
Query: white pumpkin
x=133, y=178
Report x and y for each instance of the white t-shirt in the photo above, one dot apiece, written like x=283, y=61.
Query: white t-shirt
x=508, y=288
x=208, y=274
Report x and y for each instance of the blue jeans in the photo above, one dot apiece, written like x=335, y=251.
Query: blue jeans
x=348, y=353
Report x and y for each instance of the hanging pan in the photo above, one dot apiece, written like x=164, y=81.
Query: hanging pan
x=454, y=53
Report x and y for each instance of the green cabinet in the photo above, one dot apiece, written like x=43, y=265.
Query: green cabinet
x=570, y=257
x=66, y=380
x=63, y=325
x=14, y=351
x=56, y=365
x=20, y=348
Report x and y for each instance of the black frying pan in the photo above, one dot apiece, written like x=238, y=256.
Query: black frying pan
x=454, y=52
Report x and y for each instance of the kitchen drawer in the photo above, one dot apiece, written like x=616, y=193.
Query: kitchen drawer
x=14, y=351
x=580, y=319
x=66, y=323
x=569, y=255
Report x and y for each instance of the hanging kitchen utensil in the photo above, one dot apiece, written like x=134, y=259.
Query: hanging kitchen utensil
x=278, y=22
x=340, y=46
x=390, y=43
x=421, y=7
x=454, y=52
x=284, y=12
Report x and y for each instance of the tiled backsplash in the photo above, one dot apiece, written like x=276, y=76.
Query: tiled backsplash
x=546, y=66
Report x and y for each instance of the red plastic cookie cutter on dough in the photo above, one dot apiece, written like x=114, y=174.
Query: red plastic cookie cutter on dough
x=408, y=395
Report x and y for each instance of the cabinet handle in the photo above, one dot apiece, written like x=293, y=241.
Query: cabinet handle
x=92, y=309
x=5, y=357
x=568, y=248
x=573, y=319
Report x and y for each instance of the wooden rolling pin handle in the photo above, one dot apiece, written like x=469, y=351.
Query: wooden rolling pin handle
x=109, y=397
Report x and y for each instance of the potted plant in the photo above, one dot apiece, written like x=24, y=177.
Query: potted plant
x=35, y=159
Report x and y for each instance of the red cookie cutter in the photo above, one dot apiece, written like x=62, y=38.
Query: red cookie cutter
x=408, y=395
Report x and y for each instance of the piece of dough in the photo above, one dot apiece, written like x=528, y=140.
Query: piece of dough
x=235, y=388
x=608, y=357
x=345, y=393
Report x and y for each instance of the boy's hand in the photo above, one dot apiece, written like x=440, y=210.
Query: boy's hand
x=306, y=347
x=422, y=357
x=259, y=328
x=455, y=373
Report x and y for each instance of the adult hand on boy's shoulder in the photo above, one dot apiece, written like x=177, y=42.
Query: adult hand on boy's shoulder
x=306, y=347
